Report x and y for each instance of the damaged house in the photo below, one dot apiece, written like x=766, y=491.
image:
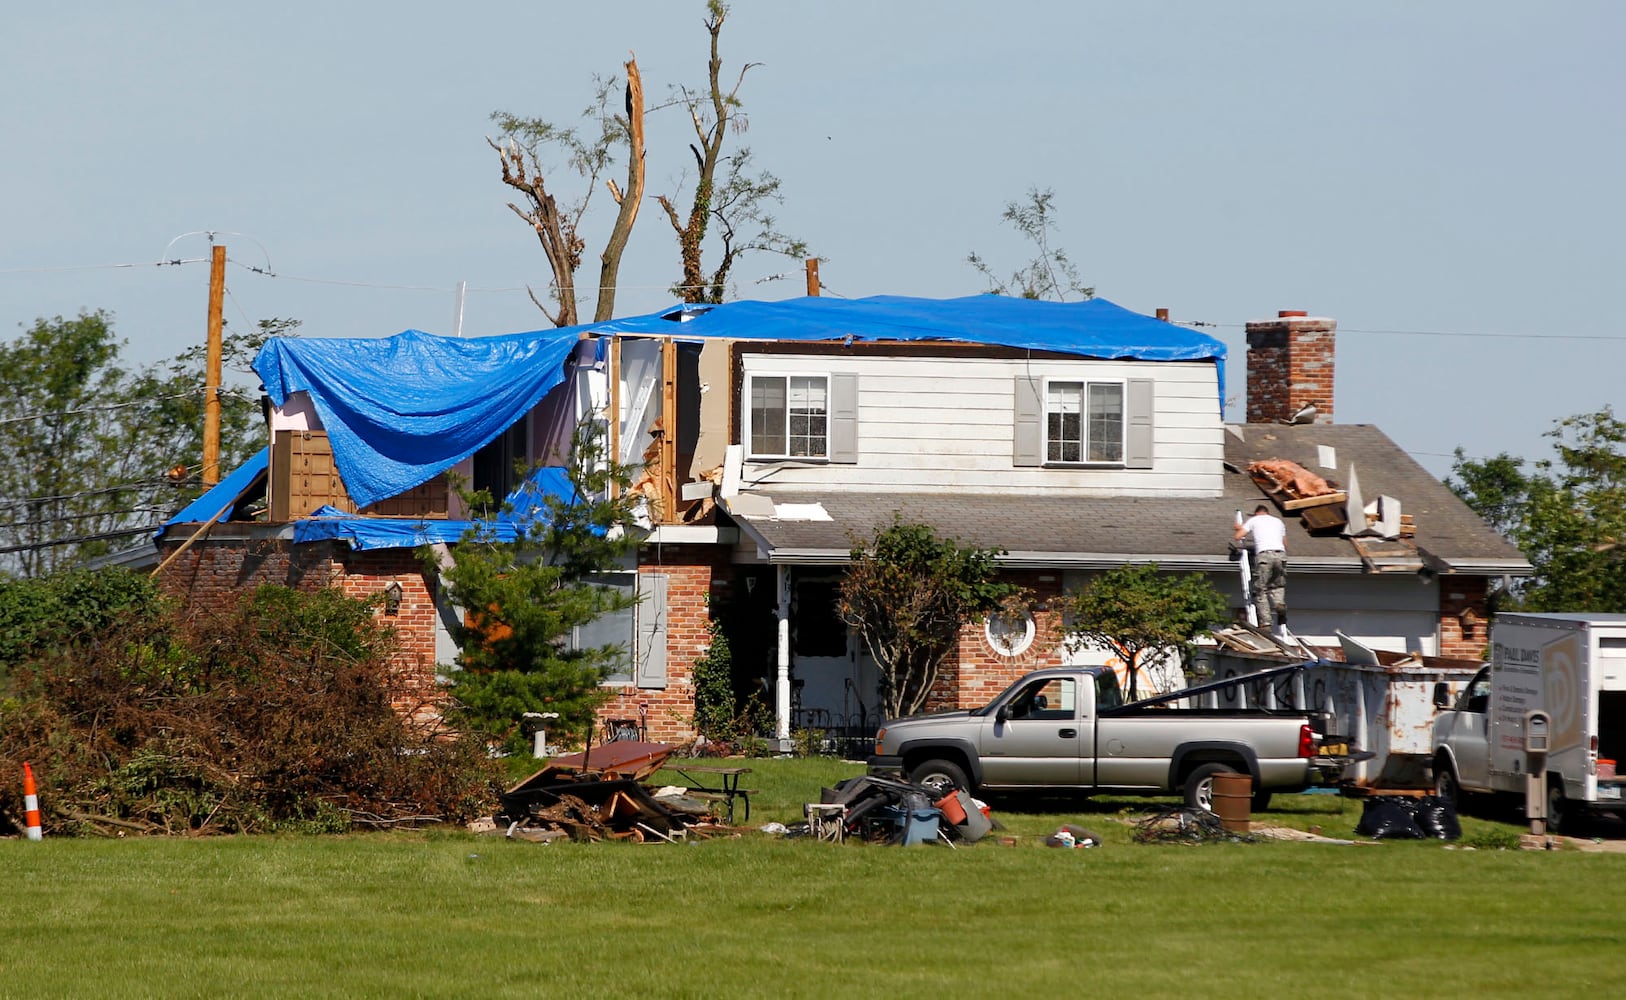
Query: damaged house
x=1076, y=437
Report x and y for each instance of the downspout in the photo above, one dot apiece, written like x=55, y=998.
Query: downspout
x=782, y=685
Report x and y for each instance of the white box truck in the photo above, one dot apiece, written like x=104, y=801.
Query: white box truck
x=1572, y=667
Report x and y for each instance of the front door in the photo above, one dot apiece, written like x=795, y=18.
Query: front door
x=1039, y=742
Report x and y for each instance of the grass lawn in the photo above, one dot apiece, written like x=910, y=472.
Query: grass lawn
x=450, y=914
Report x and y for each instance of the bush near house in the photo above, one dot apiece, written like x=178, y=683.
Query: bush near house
x=275, y=715
x=55, y=611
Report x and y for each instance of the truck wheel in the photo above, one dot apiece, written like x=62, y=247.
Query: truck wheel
x=1563, y=815
x=1261, y=800
x=939, y=777
x=1445, y=783
x=1199, y=787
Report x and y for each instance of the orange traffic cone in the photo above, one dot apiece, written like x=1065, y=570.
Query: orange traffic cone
x=31, y=803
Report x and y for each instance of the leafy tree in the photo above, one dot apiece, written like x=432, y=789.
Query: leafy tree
x=1567, y=514
x=590, y=153
x=908, y=593
x=738, y=205
x=522, y=599
x=97, y=452
x=1051, y=274
x=57, y=611
x=1141, y=614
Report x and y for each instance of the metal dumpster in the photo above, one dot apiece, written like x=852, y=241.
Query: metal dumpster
x=1386, y=708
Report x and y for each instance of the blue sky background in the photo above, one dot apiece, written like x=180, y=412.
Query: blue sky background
x=1443, y=179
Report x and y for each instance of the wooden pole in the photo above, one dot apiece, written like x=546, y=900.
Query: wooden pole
x=669, y=424
x=813, y=276
x=615, y=410
x=211, y=378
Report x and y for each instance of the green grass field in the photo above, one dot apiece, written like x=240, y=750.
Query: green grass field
x=451, y=914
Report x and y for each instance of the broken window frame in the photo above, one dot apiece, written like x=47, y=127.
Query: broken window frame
x=807, y=424
x=1089, y=431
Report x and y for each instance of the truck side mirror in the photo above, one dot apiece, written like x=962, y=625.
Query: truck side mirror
x=1002, y=713
x=1442, y=695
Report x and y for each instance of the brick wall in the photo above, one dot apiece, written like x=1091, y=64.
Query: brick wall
x=1290, y=364
x=977, y=672
x=697, y=575
x=1463, y=624
x=214, y=572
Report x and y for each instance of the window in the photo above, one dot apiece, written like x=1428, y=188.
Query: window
x=788, y=416
x=1053, y=700
x=1010, y=632
x=1084, y=422
x=639, y=630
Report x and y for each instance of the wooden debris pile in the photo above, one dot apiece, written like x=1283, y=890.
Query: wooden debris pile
x=601, y=795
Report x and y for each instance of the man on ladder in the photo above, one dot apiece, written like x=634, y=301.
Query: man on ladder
x=1265, y=588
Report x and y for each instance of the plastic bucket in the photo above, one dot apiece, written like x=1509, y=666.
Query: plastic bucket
x=977, y=824
x=953, y=811
x=1233, y=801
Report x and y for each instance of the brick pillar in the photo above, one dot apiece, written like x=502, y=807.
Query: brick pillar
x=1463, y=623
x=1290, y=365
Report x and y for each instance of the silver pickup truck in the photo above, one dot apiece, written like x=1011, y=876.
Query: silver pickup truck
x=1068, y=729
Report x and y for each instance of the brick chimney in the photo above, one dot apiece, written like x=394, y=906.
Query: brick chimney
x=1290, y=366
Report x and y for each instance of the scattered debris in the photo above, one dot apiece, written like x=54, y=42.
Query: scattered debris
x=882, y=810
x=599, y=795
x=1073, y=836
x=1183, y=825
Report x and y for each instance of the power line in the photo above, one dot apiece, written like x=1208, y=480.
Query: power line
x=1436, y=333
x=77, y=539
x=103, y=491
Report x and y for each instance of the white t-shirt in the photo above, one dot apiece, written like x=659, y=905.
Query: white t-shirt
x=1269, y=533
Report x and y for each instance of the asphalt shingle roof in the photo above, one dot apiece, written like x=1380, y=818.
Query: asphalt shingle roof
x=1179, y=532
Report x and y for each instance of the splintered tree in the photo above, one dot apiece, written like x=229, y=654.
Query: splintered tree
x=736, y=208
x=590, y=152
x=524, y=599
x=1051, y=274
x=908, y=594
x=1141, y=615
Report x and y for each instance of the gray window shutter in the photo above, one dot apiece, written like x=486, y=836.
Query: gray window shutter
x=650, y=668
x=1029, y=430
x=1138, y=423
x=844, y=418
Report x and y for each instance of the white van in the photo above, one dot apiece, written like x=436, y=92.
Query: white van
x=1570, y=666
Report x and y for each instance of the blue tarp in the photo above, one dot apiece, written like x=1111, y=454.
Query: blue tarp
x=527, y=500
x=224, y=493
x=401, y=410
x=1094, y=328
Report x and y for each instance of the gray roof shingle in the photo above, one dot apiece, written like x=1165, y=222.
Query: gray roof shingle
x=1177, y=532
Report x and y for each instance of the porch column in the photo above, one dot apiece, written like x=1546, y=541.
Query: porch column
x=782, y=687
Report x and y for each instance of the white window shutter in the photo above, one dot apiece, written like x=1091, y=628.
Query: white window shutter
x=844, y=418
x=650, y=669
x=1029, y=425
x=1139, y=405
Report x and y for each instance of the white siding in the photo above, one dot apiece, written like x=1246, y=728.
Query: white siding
x=937, y=423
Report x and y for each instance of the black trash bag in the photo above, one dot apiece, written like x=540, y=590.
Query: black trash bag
x=1437, y=817
x=1389, y=817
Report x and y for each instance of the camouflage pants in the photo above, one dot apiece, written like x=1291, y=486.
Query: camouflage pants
x=1270, y=587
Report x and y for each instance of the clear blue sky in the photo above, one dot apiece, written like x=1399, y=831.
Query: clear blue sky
x=1451, y=169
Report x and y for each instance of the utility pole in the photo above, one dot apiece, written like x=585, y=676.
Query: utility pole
x=812, y=276
x=211, y=378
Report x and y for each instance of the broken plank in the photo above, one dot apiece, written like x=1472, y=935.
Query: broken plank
x=1328, y=518
x=1322, y=500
